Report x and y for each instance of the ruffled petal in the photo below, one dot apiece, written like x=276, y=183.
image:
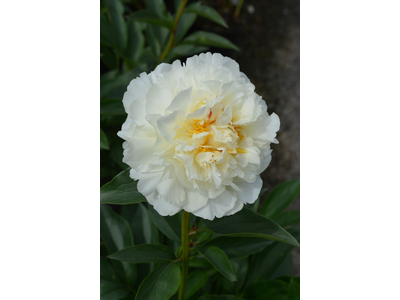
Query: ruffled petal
x=248, y=191
x=172, y=191
x=217, y=207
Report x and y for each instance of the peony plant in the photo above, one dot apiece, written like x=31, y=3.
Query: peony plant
x=183, y=212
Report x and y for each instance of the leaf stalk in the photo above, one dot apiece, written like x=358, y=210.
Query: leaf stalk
x=185, y=254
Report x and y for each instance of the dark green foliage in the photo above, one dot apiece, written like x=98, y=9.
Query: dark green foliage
x=142, y=255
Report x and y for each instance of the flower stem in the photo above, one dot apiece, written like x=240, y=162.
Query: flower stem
x=185, y=254
x=173, y=30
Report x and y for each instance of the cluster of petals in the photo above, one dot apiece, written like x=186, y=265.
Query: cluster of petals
x=197, y=136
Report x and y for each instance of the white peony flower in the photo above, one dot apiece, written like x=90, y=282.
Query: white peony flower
x=197, y=136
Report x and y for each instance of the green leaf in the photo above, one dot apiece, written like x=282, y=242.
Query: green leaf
x=103, y=141
x=115, y=10
x=247, y=223
x=219, y=297
x=106, y=31
x=147, y=16
x=107, y=56
x=219, y=260
x=294, y=290
x=135, y=43
x=206, y=12
x=110, y=290
x=239, y=247
x=146, y=253
x=112, y=107
x=267, y=262
x=185, y=23
x=280, y=198
x=267, y=290
x=288, y=218
x=138, y=217
x=199, y=263
x=121, y=190
x=185, y=51
x=240, y=266
x=285, y=269
x=152, y=39
x=209, y=39
x=161, y=284
x=116, y=234
x=157, y=7
x=170, y=226
x=107, y=271
x=195, y=282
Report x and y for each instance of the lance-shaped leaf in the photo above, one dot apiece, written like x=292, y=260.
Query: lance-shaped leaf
x=115, y=11
x=287, y=218
x=219, y=260
x=146, y=253
x=111, y=290
x=239, y=247
x=206, y=12
x=161, y=284
x=115, y=232
x=265, y=264
x=103, y=140
x=196, y=280
x=147, y=16
x=209, y=39
x=280, y=198
x=170, y=226
x=121, y=190
x=247, y=223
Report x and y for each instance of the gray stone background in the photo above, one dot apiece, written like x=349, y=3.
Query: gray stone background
x=268, y=35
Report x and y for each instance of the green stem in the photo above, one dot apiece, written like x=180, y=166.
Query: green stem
x=173, y=30
x=185, y=254
x=238, y=8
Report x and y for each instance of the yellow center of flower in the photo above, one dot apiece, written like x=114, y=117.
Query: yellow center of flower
x=217, y=137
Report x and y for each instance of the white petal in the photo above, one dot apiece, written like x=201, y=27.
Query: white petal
x=225, y=118
x=167, y=124
x=171, y=190
x=137, y=111
x=161, y=206
x=181, y=101
x=217, y=207
x=195, y=200
x=266, y=160
x=148, y=182
x=249, y=191
x=238, y=206
x=253, y=154
x=162, y=68
x=198, y=114
x=157, y=100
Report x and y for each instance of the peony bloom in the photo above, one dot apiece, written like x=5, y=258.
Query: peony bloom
x=197, y=136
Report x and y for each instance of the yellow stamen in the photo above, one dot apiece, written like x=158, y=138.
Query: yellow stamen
x=240, y=150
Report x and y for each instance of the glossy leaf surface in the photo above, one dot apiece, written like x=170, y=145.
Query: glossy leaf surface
x=161, y=284
x=121, y=190
x=206, y=12
x=209, y=39
x=146, y=253
x=247, y=223
x=280, y=198
x=219, y=260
